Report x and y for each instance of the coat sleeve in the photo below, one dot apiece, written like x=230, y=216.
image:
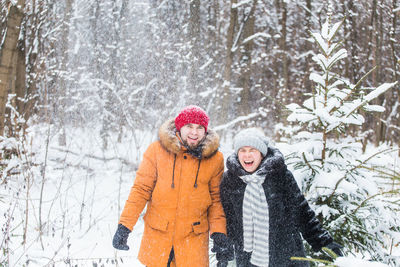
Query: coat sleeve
x=142, y=189
x=228, y=207
x=216, y=215
x=308, y=224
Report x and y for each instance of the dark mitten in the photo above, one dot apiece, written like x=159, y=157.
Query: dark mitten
x=335, y=247
x=121, y=237
x=223, y=248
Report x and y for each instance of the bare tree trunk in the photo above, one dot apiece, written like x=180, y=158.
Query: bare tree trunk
x=389, y=124
x=281, y=68
x=120, y=14
x=379, y=127
x=396, y=62
x=10, y=118
x=354, y=59
x=34, y=71
x=104, y=132
x=308, y=47
x=284, y=52
x=20, y=82
x=245, y=77
x=62, y=139
x=17, y=89
x=227, y=74
x=371, y=26
x=213, y=24
x=370, y=122
x=8, y=50
x=194, y=40
x=393, y=39
x=346, y=42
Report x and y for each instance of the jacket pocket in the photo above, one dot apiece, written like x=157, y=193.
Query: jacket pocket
x=200, y=226
x=155, y=221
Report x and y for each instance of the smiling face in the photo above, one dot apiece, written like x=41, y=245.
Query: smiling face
x=192, y=134
x=250, y=158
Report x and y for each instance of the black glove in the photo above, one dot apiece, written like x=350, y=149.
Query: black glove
x=121, y=237
x=223, y=248
x=335, y=247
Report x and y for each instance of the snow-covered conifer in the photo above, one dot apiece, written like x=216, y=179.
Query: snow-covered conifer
x=341, y=181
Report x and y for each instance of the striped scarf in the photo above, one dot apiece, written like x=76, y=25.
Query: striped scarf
x=256, y=220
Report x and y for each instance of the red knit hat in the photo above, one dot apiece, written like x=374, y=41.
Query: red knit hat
x=191, y=114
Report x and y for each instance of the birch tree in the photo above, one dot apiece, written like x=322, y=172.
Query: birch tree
x=7, y=53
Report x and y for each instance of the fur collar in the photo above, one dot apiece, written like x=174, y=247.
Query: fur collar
x=169, y=140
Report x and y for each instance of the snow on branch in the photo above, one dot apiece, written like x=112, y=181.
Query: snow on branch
x=241, y=3
x=374, y=94
x=329, y=32
x=256, y=35
x=320, y=41
x=235, y=44
x=238, y=119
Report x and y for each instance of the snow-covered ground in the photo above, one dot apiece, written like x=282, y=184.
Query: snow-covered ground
x=83, y=192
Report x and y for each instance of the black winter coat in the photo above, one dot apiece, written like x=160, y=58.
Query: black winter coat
x=289, y=213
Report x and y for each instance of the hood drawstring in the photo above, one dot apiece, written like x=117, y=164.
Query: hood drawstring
x=173, y=173
x=197, y=174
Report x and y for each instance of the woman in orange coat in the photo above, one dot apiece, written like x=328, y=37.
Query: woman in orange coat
x=179, y=180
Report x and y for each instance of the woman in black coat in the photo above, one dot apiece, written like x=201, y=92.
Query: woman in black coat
x=266, y=212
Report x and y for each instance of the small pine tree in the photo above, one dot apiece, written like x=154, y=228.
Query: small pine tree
x=334, y=173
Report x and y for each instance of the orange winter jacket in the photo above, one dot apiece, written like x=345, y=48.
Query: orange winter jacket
x=181, y=211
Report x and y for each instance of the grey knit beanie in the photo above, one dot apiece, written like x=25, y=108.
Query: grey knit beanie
x=253, y=137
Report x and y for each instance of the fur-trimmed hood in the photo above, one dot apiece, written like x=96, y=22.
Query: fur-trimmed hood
x=169, y=140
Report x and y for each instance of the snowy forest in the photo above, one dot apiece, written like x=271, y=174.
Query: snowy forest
x=85, y=85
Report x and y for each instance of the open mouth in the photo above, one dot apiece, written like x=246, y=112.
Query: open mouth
x=248, y=163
